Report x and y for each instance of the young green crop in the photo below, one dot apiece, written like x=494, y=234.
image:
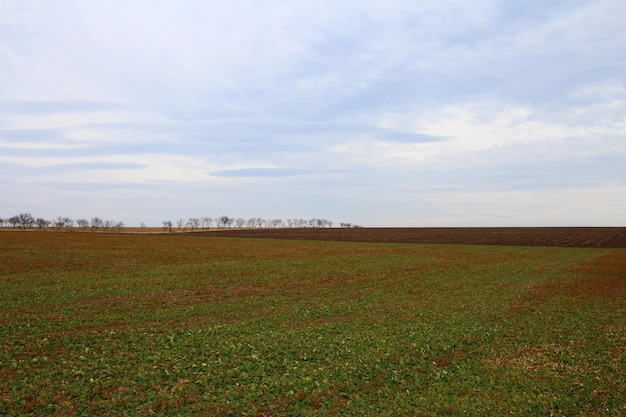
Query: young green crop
x=95, y=324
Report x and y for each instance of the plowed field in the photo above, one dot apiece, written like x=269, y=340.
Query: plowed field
x=583, y=237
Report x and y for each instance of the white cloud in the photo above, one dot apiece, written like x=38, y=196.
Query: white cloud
x=484, y=126
x=594, y=206
x=40, y=146
x=146, y=168
x=381, y=154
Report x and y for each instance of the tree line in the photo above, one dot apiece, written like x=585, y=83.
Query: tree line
x=225, y=222
x=26, y=221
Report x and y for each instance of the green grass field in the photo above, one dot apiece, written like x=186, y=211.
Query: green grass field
x=103, y=324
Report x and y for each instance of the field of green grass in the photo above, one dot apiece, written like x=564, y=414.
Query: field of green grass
x=140, y=325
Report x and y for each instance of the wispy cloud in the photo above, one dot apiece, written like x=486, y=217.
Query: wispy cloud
x=259, y=172
x=37, y=107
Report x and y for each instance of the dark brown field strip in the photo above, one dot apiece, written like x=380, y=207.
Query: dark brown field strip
x=583, y=237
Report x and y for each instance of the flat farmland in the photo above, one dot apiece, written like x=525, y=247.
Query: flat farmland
x=132, y=324
x=584, y=237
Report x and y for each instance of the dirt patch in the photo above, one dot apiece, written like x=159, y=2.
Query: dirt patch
x=603, y=288
x=601, y=278
x=612, y=264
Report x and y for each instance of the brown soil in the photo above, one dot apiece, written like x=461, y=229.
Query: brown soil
x=590, y=237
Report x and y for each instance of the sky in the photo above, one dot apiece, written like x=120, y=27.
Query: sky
x=376, y=113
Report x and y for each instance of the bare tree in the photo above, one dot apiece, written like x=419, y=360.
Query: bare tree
x=167, y=225
x=59, y=222
x=240, y=222
x=180, y=223
x=120, y=225
x=109, y=224
x=25, y=220
x=96, y=223
x=206, y=222
x=296, y=223
x=275, y=223
x=41, y=223
x=82, y=223
x=255, y=222
x=223, y=221
x=14, y=221
x=193, y=223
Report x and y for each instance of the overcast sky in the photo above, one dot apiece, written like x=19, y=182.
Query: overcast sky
x=378, y=113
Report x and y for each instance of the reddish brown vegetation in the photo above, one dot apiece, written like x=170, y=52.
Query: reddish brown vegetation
x=601, y=278
x=590, y=237
x=605, y=277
